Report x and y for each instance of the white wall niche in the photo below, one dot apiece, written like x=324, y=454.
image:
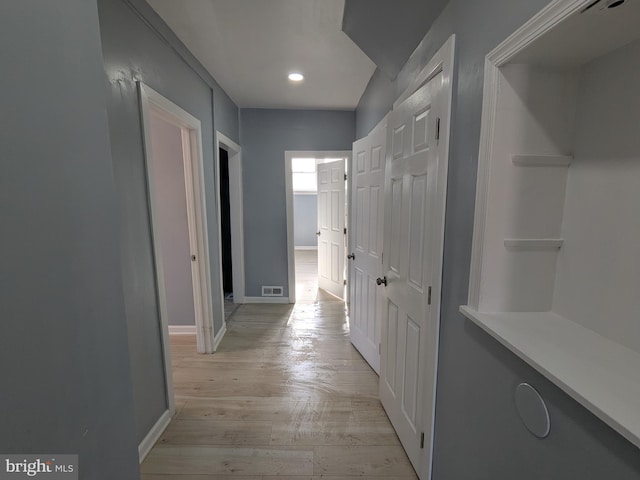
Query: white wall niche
x=555, y=270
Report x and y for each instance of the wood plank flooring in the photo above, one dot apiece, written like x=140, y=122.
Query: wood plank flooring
x=285, y=397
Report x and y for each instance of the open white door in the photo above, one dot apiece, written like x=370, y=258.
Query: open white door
x=415, y=197
x=367, y=200
x=331, y=224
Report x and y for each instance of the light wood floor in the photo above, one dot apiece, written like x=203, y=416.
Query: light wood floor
x=285, y=397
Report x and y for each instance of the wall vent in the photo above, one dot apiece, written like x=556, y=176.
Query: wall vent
x=268, y=291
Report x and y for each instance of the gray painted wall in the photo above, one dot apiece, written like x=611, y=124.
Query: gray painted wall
x=173, y=225
x=225, y=111
x=305, y=219
x=478, y=433
x=136, y=48
x=387, y=32
x=265, y=135
x=64, y=358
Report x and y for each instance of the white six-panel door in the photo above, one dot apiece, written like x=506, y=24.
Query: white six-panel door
x=367, y=200
x=331, y=224
x=409, y=326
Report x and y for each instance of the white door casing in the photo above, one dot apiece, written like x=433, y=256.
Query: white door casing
x=237, y=212
x=367, y=204
x=331, y=226
x=153, y=103
x=415, y=199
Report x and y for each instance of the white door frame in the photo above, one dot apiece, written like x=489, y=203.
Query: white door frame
x=288, y=180
x=237, y=212
x=151, y=102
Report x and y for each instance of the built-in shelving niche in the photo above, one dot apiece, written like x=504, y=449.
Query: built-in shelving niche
x=556, y=258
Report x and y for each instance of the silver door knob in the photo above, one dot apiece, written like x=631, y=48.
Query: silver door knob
x=351, y=256
x=318, y=233
x=382, y=281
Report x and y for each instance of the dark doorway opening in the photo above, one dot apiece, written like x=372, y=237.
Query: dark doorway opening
x=225, y=225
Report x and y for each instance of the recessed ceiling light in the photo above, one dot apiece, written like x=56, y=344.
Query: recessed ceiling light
x=296, y=77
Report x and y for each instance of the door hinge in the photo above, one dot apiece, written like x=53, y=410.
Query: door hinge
x=345, y=230
x=382, y=257
x=438, y=128
x=429, y=297
x=345, y=281
x=379, y=349
x=422, y=440
x=345, y=176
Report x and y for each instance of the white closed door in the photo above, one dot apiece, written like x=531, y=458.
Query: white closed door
x=331, y=224
x=412, y=226
x=367, y=200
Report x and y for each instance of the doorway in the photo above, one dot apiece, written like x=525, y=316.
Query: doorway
x=175, y=186
x=225, y=234
x=228, y=174
x=305, y=201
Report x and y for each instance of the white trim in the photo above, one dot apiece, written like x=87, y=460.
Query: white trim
x=154, y=435
x=310, y=247
x=553, y=14
x=426, y=74
x=237, y=211
x=541, y=160
x=278, y=300
x=547, y=19
x=291, y=259
x=487, y=129
x=219, y=337
x=528, y=244
x=182, y=329
x=153, y=102
x=288, y=180
x=306, y=192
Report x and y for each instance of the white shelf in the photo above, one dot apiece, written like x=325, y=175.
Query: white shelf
x=600, y=374
x=541, y=160
x=533, y=243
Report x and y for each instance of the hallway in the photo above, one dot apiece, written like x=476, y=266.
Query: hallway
x=285, y=397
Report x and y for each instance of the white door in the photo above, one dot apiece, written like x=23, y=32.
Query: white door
x=367, y=200
x=411, y=245
x=331, y=233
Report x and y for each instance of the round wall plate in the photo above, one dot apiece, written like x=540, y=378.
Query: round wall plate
x=532, y=410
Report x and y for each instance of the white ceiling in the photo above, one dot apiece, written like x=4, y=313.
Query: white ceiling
x=250, y=46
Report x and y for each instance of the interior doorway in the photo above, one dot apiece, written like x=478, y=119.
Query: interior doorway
x=228, y=174
x=174, y=170
x=225, y=234
x=304, y=220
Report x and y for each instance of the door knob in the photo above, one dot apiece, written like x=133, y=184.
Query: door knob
x=318, y=233
x=351, y=256
x=381, y=281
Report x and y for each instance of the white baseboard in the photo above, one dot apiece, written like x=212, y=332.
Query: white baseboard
x=307, y=248
x=266, y=300
x=182, y=329
x=218, y=338
x=154, y=435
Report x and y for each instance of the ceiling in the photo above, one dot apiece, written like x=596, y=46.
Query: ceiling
x=250, y=46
